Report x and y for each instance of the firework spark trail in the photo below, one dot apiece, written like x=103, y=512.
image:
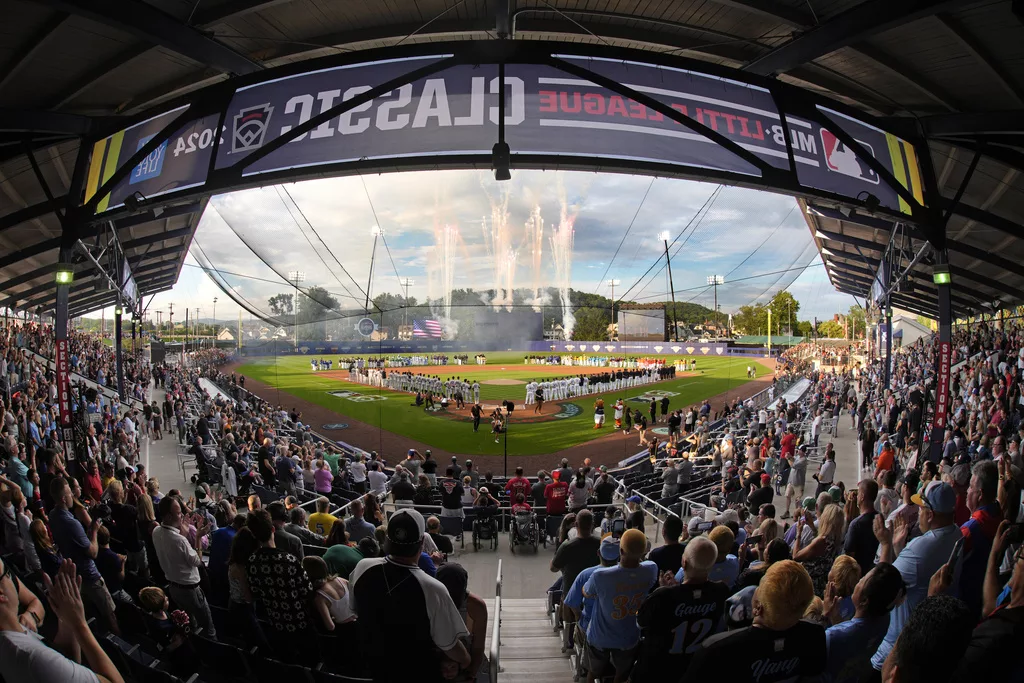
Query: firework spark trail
x=562, y=238
x=499, y=248
x=535, y=238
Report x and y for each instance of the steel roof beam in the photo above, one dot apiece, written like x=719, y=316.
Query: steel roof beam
x=986, y=218
x=151, y=215
x=31, y=47
x=981, y=56
x=157, y=237
x=855, y=24
x=1009, y=122
x=41, y=121
x=155, y=27
x=29, y=213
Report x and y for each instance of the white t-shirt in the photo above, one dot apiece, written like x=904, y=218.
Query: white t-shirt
x=358, y=470
x=24, y=658
x=378, y=481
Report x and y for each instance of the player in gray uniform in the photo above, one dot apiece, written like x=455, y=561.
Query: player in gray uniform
x=476, y=392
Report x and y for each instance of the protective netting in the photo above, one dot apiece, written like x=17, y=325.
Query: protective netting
x=456, y=255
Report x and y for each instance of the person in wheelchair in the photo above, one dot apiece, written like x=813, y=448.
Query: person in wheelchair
x=485, y=505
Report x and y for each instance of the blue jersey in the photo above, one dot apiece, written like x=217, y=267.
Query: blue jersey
x=576, y=600
x=618, y=593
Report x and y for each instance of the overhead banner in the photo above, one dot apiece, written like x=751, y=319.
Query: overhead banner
x=547, y=112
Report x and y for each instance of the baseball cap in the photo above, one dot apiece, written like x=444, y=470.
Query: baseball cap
x=808, y=503
x=633, y=542
x=765, y=478
x=728, y=516
x=405, y=531
x=604, y=468
x=937, y=496
x=634, y=499
x=609, y=549
x=836, y=493
x=691, y=526
x=961, y=474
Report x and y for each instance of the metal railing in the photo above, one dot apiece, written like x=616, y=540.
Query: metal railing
x=495, y=653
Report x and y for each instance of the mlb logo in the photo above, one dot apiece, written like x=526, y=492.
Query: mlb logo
x=840, y=159
x=250, y=127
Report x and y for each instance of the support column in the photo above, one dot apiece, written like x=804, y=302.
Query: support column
x=118, y=353
x=62, y=353
x=943, y=357
x=888, y=345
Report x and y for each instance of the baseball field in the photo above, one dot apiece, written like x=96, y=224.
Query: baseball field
x=328, y=397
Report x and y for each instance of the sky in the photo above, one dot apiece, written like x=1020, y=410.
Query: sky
x=759, y=242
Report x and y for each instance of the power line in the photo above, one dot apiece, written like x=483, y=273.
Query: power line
x=625, y=234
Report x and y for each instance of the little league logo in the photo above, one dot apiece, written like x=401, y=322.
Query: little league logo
x=335, y=426
x=654, y=395
x=250, y=127
x=357, y=397
x=568, y=410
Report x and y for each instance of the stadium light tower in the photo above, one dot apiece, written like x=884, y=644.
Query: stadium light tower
x=406, y=282
x=214, y=321
x=295, y=277
x=663, y=236
x=612, y=283
x=376, y=231
x=714, y=281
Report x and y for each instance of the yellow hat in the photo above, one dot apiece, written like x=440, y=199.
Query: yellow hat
x=633, y=542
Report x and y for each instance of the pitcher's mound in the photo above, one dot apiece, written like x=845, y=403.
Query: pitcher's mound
x=503, y=382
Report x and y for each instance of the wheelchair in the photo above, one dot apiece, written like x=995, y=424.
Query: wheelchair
x=525, y=530
x=485, y=529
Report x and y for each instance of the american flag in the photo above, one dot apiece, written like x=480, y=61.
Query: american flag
x=426, y=329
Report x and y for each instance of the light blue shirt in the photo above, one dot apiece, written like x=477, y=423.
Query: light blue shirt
x=576, y=600
x=726, y=571
x=917, y=563
x=618, y=593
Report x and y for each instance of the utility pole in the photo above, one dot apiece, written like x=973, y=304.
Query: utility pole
x=612, y=284
x=406, y=283
x=215, y=321
x=295, y=277
x=377, y=232
x=714, y=281
x=664, y=238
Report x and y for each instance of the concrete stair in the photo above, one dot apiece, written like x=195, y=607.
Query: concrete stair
x=531, y=649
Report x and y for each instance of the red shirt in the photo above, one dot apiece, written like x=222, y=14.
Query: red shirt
x=557, y=497
x=521, y=507
x=788, y=444
x=517, y=485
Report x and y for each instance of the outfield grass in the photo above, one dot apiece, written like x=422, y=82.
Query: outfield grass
x=392, y=410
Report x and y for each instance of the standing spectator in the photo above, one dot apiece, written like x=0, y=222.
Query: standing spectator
x=111, y=567
x=180, y=561
x=779, y=646
x=612, y=634
x=125, y=530
x=852, y=642
x=451, y=496
x=392, y=595
x=341, y=558
x=378, y=479
x=357, y=527
x=284, y=539
x=332, y=602
x=669, y=556
x=579, y=492
x=919, y=559
x=518, y=485
x=25, y=657
x=797, y=478
x=358, y=471
x=936, y=635
x=818, y=555
x=220, y=553
x=321, y=521
x=574, y=556
x=604, y=487
x=80, y=546
x=826, y=471
x=979, y=532
x=676, y=618
x=861, y=542
x=556, y=495
x=287, y=474
x=277, y=581
x=473, y=610
x=565, y=473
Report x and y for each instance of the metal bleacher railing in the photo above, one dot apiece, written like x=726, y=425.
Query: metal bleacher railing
x=109, y=393
x=495, y=650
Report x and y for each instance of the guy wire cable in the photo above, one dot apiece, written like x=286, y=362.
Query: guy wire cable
x=626, y=234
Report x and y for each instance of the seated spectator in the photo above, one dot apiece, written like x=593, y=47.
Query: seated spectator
x=935, y=636
x=677, y=617
x=424, y=491
x=612, y=634
x=474, y=612
x=341, y=558
x=298, y=526
x=322, y=520
x=441, y=542
x=392, y=595
x=852, y=642
x=331, y=599
x=357, y=527
x=778, y=646
x=24, y=657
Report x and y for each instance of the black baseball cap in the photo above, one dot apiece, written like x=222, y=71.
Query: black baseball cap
x=405, y=532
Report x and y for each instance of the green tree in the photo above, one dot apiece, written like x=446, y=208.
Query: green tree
x=316, y=305
x=591, y=324
x=784, y=309
x=855, y=320
x=830, y=329
x=280, y=304
x=751, y=319
x=804, y=328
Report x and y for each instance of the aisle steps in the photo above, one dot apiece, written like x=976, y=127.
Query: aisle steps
x=531, y=649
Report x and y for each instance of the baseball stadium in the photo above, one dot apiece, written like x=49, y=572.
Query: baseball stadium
x=531, y=340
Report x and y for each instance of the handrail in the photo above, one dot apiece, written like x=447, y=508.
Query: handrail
x=495, y=654
x=108, y=392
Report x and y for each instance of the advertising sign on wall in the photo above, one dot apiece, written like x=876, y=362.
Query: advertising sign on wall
x=547, y=112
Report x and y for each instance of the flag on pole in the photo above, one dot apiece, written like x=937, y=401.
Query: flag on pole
x=426, y=329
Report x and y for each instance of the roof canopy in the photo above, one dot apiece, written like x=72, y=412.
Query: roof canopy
x=946, y=72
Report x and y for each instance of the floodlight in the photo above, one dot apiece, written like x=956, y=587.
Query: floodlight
x=664, y=235
x=376, y=231
x=940, y=274
x=65, y=274
x=716, y=280
x=118, y=310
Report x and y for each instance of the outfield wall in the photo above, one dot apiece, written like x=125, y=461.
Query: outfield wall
x=428, y=346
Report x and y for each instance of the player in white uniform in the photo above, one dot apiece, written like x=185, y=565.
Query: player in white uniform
x=476, y=392
x=531, y=387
